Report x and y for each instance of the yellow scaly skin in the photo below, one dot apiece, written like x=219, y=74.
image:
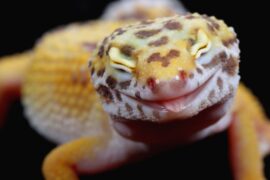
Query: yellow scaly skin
x=56, y=93
x=119, y=140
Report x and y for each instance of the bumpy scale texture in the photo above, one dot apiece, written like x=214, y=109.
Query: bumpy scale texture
x=57, y=93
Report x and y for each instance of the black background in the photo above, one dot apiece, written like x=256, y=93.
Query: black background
x=22, y=149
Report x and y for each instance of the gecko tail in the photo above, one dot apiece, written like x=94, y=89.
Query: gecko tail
x=12, y=70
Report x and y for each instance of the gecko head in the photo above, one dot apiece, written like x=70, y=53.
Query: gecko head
x=167, y=69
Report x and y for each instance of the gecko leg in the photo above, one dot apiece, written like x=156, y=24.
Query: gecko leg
x=247, y=162
x=12, y=69
x=62, y=162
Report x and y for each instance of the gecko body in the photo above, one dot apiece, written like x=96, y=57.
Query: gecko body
x=162, y=83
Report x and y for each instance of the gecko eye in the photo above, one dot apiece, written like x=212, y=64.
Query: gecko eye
x=120, y=61
x=202, y=44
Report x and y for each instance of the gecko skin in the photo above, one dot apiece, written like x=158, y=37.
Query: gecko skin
x=57, y=95
x=162, y=83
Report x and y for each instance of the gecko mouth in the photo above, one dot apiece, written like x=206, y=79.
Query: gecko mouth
x=178, y=103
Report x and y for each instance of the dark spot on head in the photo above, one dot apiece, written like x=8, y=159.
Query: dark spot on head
x=140, y=109
x=146, y=33
x=212, y=24
x=165, y=60
x=105, y=93
x=222, y=56
x=210, y=27
x=111, y=81
x=119, y=31
x=127, y=50
x=173, y=25
x=173, y=54
x=191, y=75
x=229, y=95
x=118, y=96
x=108, y=50
x=89, y=46
x=215, y=24
x=128, y=108
x=138, y=95
x=154, y=57
x=162, y=41
x=92, y=71
x=100, y=72
x=220, y=83
x=217, y=59
x=214, y=62
x=101, y=51
x=199, y=70
x=89, y=63
x=102, y=47
x=229, y=42
x=230, y=66
x=125, y=84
